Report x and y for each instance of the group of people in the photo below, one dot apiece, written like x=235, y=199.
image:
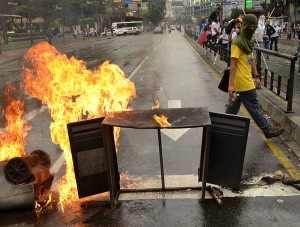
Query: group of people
x=223, y=33
x=242, y=37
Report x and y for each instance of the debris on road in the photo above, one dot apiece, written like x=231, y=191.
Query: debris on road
x=290, y=181
x=278, y=175
x=267, y=180
x=280, y=201
x=214, y=193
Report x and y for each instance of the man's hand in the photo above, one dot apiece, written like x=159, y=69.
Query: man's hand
x=230, y=91
x=257, y=82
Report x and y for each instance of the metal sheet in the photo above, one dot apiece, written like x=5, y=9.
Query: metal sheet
x=87, y=147
x=229, y=134
x=143, y=119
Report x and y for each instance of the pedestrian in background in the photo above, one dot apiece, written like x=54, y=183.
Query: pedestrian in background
x=215, y=27
x=1, y=37
x=55, y=34
x=261, y=36
x=298, y=47
x=288, y=31
x=235, y=29
x=224, y=37
x=275, y=37
x=244, y=78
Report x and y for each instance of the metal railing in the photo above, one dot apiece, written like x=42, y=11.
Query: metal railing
x=280, y=82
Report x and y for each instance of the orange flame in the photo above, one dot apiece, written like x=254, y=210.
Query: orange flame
x=12, y=140
x=72, y=93
x=156, y=105
x=39, y=206
x=162, y=120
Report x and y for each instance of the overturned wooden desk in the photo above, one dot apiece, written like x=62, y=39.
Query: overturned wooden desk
x=143, y=119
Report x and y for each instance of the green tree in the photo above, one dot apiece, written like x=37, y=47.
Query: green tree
x=156, y=10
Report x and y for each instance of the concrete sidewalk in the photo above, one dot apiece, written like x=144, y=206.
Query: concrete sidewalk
x=268, y=100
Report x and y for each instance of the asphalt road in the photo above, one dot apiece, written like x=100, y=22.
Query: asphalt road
x=164, y=68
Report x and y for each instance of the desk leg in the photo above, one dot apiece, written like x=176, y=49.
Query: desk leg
x=205, y=158
x=161, y=160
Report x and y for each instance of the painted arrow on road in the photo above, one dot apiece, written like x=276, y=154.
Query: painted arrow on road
x=174, y=134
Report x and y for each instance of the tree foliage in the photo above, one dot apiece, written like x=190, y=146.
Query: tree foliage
x=156, y=11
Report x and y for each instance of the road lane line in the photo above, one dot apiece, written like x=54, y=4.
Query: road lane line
x=32, y=114
x=137, y=68
x=142, y=62
x=58, y=164
x=284, y=160
x=174, y=134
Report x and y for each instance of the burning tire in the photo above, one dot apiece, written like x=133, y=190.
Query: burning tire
x=17, y=170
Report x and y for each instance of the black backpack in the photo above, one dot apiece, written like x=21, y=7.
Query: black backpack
x=271, y=30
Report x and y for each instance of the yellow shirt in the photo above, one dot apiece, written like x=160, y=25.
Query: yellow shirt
x=243, y=80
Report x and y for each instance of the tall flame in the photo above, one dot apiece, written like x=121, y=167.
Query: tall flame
x=72, y=93
x=12, y=140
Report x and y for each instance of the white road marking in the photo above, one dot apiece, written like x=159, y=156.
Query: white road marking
x=139, y=66
x=186, y=181
x=58, y=164
x=174, y=134
x=32, y=114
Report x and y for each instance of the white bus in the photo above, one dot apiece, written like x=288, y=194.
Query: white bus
x=121, y=27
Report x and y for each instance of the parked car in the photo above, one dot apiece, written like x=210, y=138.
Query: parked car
x=132, y=31
x=158, y=30
x=120, y=31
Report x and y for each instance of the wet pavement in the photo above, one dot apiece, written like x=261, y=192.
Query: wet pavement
x=275, y=207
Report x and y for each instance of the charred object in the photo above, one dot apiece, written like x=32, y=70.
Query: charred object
x=24, y=179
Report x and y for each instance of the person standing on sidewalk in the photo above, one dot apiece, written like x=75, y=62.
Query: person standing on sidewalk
x=275, y=37
x=244, y=78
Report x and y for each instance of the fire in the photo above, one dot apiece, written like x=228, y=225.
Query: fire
x=72, y=93
x=39, y=206
x=156, y=105
x=12, y=140
x=162, y=120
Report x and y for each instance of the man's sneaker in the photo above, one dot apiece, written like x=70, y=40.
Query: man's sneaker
x=273, y=132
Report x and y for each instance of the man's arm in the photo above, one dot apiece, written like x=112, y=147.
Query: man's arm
x=255, y=74
x=233, y=67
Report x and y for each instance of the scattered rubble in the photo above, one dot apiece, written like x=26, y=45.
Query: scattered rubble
x=280, y=176
x=266, y=181
x=216, y=194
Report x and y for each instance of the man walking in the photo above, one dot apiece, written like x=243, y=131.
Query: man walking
x=244, y=77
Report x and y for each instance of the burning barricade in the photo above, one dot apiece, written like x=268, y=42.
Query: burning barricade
x=24, y=179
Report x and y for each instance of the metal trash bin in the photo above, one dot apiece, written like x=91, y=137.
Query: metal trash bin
x=229, y=134
x=95, y=171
